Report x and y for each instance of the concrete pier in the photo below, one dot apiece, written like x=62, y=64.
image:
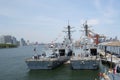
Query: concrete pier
x=110, y=47
x=110, y=55
x=109, y=59
x=110, y=52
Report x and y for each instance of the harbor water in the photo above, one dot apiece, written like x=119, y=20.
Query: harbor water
x=13, y=67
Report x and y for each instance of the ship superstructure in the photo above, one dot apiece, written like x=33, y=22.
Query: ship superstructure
x=58, y=55
x=86, y=56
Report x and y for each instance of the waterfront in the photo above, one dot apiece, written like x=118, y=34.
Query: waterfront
x=13, y=67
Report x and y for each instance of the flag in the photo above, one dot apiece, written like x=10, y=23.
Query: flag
x=115, y=69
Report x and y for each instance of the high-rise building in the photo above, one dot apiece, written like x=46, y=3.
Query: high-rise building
x=23, y=42
x=8, y=39
x=2, y=40
x=5, y=39
x=14, y=41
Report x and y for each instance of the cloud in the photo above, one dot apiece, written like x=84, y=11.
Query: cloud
x=90, y=21
x=106, y=11
x=97, y=4
x=93, y=21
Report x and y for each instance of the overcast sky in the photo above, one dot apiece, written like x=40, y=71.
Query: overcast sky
x=44, y=20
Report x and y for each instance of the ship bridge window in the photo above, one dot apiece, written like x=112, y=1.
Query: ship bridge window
x=62, y=52
x=93, y=51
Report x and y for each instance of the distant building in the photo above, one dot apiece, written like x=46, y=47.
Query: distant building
x=23, y=42
x=14, y=41
x=2, y=40
x=28, y=42
x=8, y=39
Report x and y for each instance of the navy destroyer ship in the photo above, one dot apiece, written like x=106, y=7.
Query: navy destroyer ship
x=86, y=56
x=58, y=55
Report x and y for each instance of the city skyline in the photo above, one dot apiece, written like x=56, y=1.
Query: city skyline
x=44, y=20
x=8, y=39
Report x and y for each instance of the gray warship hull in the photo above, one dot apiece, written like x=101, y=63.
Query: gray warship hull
x=86, y=54
x=45, y=63
x=84, y=64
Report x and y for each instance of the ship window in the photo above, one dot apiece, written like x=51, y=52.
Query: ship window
x=62, y=52
x=93, y=51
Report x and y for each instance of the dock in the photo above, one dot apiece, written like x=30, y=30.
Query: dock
x=110, y=47
x=110, y=55
x=109, y=59
x=110, y=52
